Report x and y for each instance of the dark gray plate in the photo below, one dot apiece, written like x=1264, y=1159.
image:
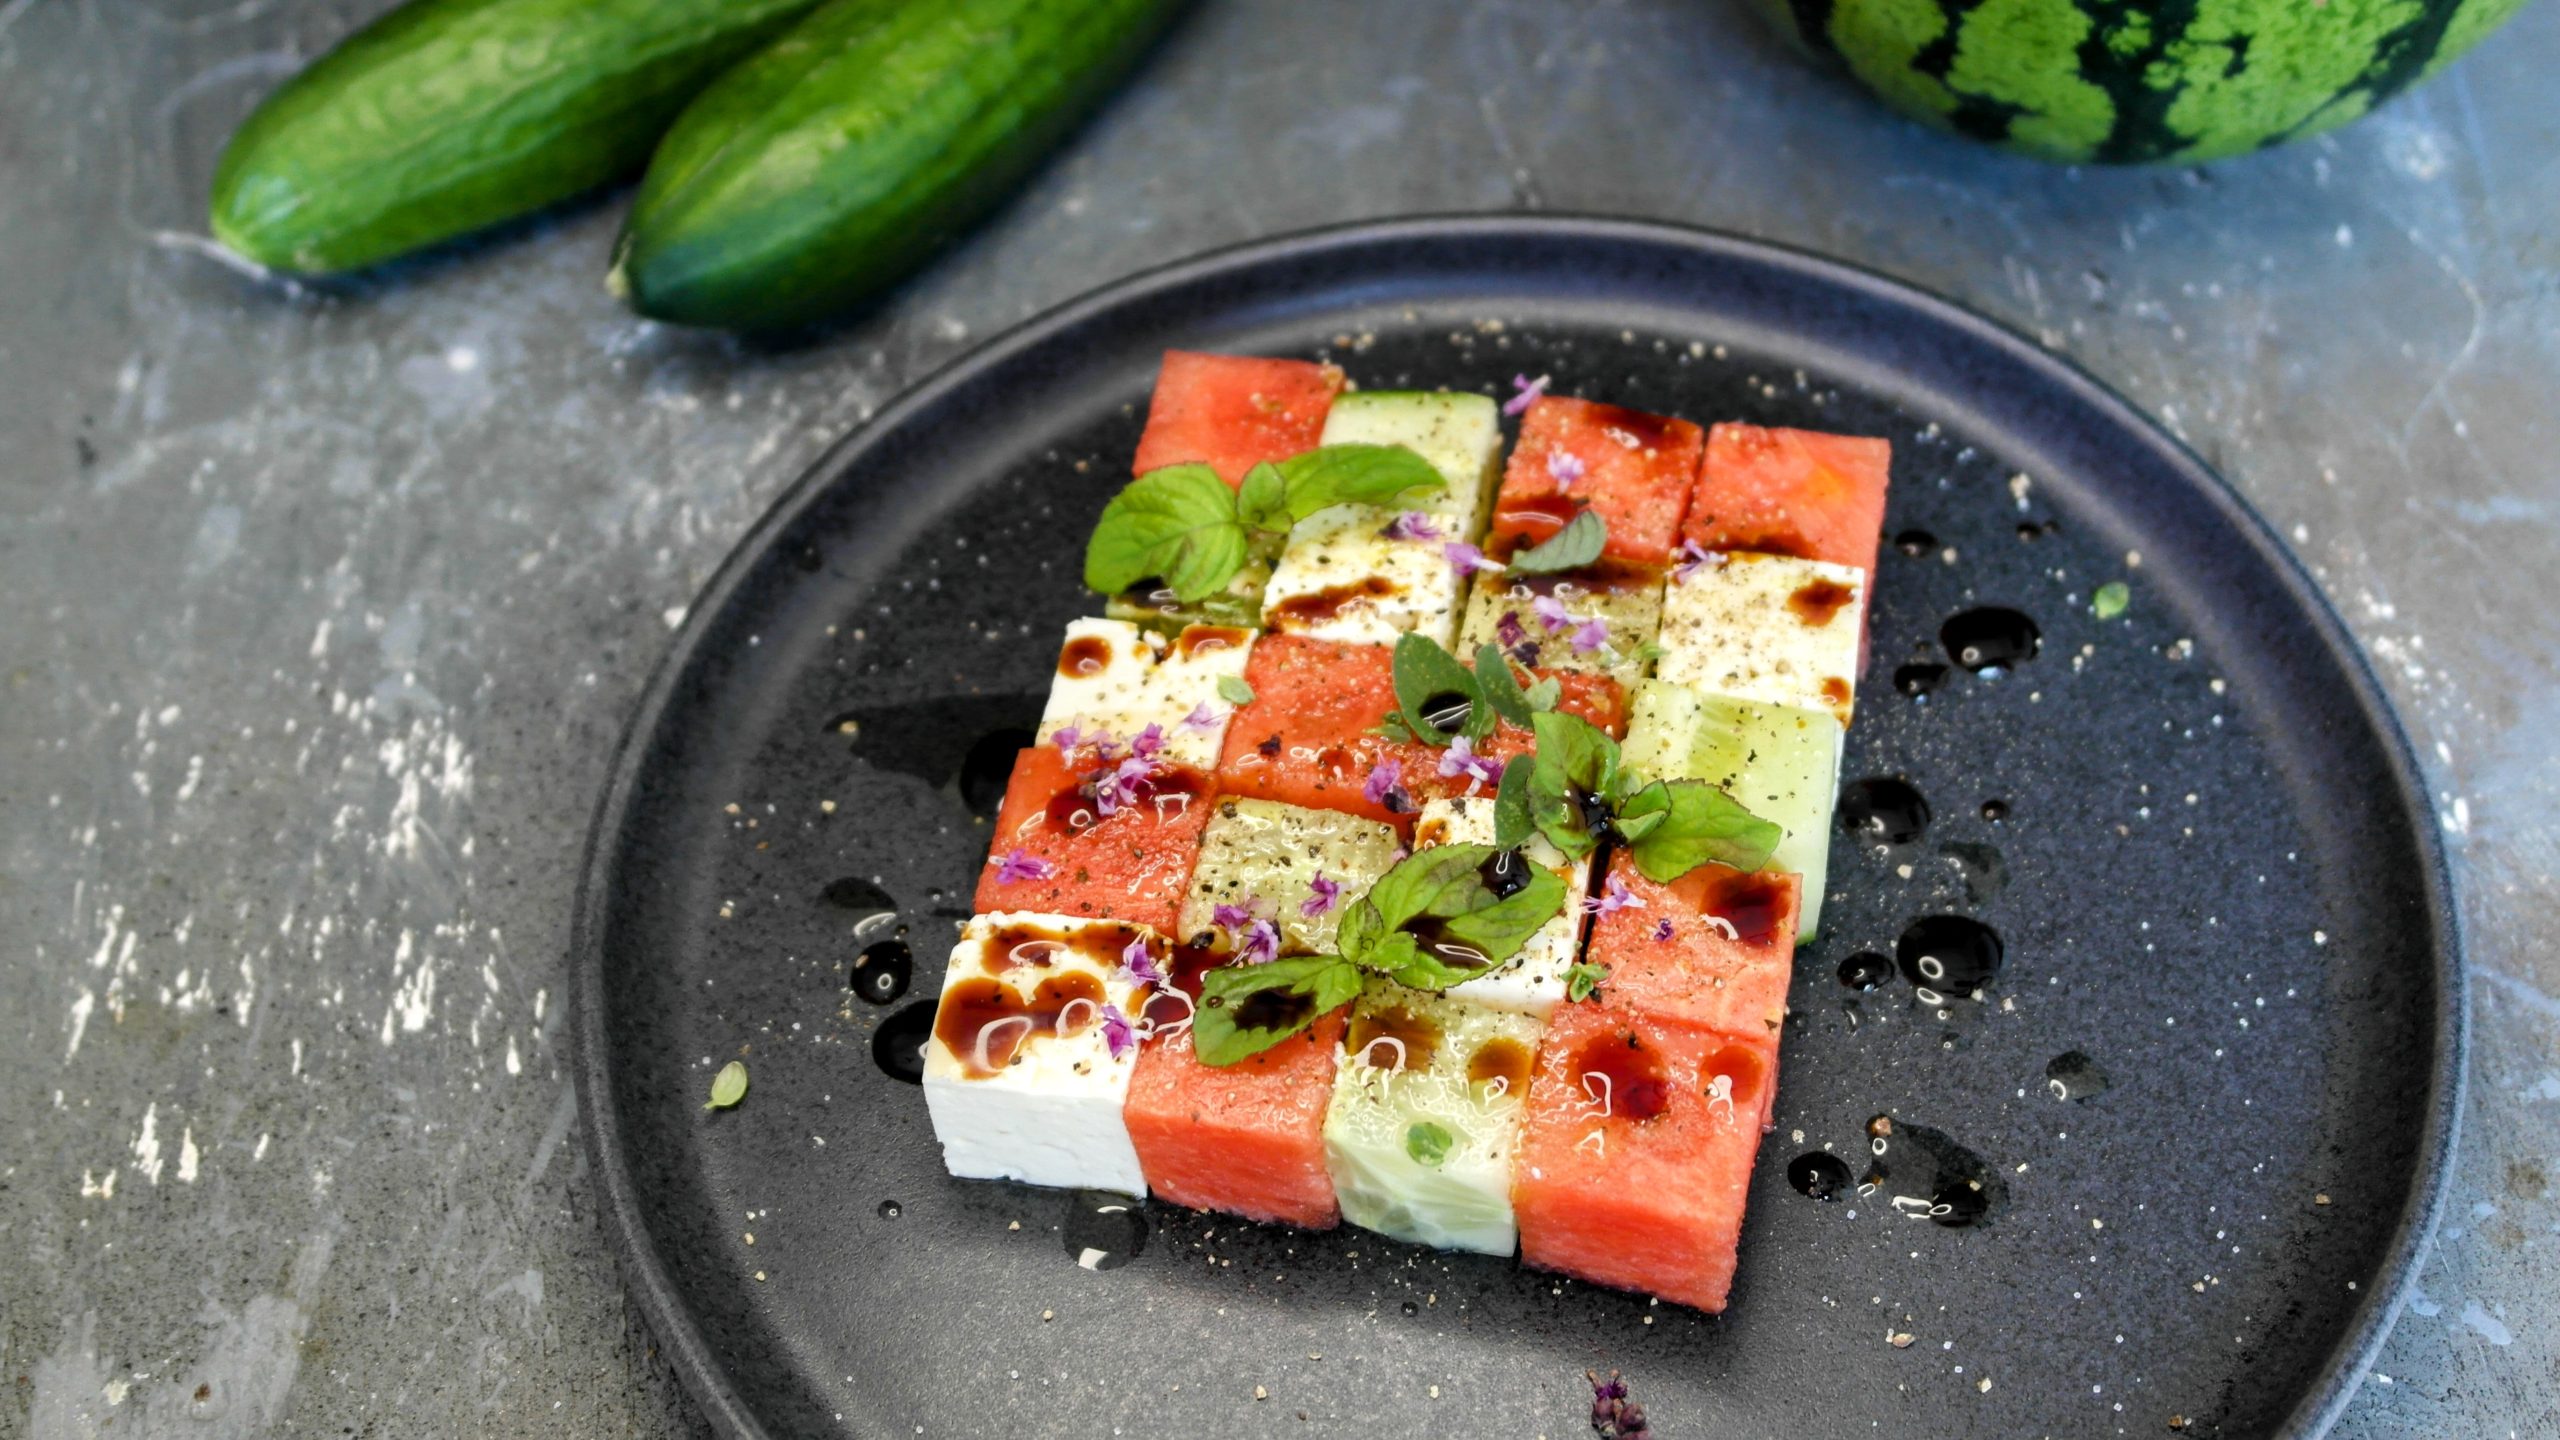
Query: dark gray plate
x=2217, y=879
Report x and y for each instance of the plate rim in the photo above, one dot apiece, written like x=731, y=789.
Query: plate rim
x=671, y=1322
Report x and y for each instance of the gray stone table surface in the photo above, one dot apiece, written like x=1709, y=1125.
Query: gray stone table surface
x=319, y=614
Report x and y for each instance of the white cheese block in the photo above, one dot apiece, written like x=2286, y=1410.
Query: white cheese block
x=1767, y=628
x=1461, y=435
x=1343, y=577
x=1265, y=856
x=1037, y=1097
x=1119, y=678
x=1425, y=1118
x=1533, y=981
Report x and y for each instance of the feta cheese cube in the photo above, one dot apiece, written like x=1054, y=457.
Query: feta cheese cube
x=1768, y=628
x=1533, y=981
x=1461, y=435
x=1344, y=577
x=1019, y=1075
x=1119, y=678
x=1265, y=856
x=1425, y=1117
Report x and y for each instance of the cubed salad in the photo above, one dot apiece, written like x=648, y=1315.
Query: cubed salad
x=1420, y=836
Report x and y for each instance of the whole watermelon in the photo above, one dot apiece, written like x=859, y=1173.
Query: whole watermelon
x=2133, y=80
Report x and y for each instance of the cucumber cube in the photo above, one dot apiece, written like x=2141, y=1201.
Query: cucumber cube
x=1461, y=435
x=1425, y=1117
x=1503, y=611
x=1782, y=762
x=1265, y=856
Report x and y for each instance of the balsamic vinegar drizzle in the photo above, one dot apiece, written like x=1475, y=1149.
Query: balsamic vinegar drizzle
x=1819, y=1173
x=897, y=1047
x=2072, y=1075
x=1991, y=637
x=1948, y=956
x=1886, y=809
x=882, y=972
x=1925, y=1173
x=1102, y=1231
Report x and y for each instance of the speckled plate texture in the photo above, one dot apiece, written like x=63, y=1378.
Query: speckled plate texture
x=2209, y=1095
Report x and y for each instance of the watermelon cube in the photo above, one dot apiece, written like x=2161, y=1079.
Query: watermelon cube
x=1265, y=857
x=1115, y=678
x=1055, y=852
x=1766, y=628
x=1781, y=762
x=1247, y=1138
x=1022, y=1077
x=1636, y=1148
x=1426, y=1116
x=1538, y=620
x=1635, y=469
x=1232, y=412
x=1791, y=492
x=1308, y=737
x=1533, y=981
x=1714, y=948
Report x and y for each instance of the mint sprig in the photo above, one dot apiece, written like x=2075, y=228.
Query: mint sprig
x=1246, y=1009
x=1182, y=524
x=1579, y=792
x=1576, y=545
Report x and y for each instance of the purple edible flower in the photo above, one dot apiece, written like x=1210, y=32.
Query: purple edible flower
x=1663, y=931
x=1203, y=718
x=1230, y=918
x=1069, y=737
x=1613, y=1415
x=1413, y=525
x=1383, y=779
x=1020, y=865
x=1117, y=1032
x=1613, y=897
x=1328, y=893
x=1139, y=964
x=1123, y=784
x=1693, y=556
x=1261, y=943
x=1509, y=631
x=1468, y=559
x=1550, y=612
x=1525, y=392
x=1147, y=743
x=1564, y=469
x=1461, y=759
x=1590, y=635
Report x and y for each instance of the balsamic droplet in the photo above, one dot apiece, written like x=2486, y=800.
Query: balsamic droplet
x=883, y=969
x=1410, y=1308
x=1866, y=970
x=1918, y=679
x=1992, y=637
x=1929, y=1174
x=1948, y=955
x=2072, y=1075
x=1885, y=809
x=988, y=766
x=1819, y=1173
x=897, y=1047
x=1915, y=542
x=1103, y=1231
x=1504, y=873
x=1985, y=873
x=1448, y=709
x=890, y=1210
x=855, y=893
x=1995, y=811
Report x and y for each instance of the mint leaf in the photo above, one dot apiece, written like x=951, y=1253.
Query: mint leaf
x=1698, y=824
x=1423, y=673
x=1512, y=826
x=1584, y=978
x=1544, y=694
x=1233, y=690
x=1576, y=545
x=1246, y=1009
x=729, y=1086
x=1501, y=688
x=1575, y=759
x=2110, y=600
x=1262, y=498
x=1355, y=475
x=1177, y=524
x=1432, y=921
x=1427, y=1143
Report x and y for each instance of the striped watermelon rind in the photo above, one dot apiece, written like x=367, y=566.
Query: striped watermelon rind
x=2124, y=81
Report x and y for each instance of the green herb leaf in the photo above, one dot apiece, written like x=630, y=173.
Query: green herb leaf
x=1574, y=758
x=1424, y=672
x=1512, y=826
x=1699, y=824
x=1501, y=688
x=729, y=1086
x=1427, y=1143
x=1584, y=978
x=1576, y=545
x=1233, y=690
x=1246, y=1009
x=1544, y=694
x=1465, y=928
x=1262, y=499
x=2110, y=600
x=1355, y=475
x=1177, y=524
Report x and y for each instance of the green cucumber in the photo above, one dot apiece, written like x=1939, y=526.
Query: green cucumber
x=825, y=168
x=446, y=116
